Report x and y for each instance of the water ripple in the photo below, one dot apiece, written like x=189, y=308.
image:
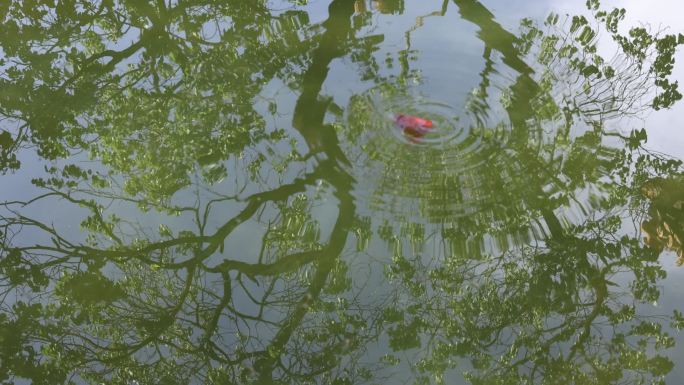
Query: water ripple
x=487, y=182
x=431, y=176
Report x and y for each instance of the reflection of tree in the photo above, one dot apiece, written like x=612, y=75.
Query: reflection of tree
x=180, y=79
x=551, y=312
x=131, y=308
x=175, y=298
x=508, y=172
x=157, y=93
x=557, y=311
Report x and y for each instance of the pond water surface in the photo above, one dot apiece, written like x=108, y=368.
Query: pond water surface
x=218, y=192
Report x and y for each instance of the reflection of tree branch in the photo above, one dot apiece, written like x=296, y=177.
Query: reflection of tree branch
x=165, y=321
x=116, y=56
x=477, y=102
x=330, y=255
x=496, y=37
x=420, y=20
x=310, y=109
x=210, y=328
x=493, y=34
x=284, y=264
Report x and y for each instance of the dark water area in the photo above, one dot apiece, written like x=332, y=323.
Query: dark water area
x=341, y=192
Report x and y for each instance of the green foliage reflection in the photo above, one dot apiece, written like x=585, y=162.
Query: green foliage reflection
x=227, y=240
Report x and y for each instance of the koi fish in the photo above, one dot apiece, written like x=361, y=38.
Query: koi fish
x=413, y=126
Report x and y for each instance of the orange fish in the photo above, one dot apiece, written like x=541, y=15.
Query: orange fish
x=413, y=126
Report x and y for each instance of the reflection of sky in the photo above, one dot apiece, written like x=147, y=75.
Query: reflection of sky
x=450, y=42
x=450, y=59
x=665, y=128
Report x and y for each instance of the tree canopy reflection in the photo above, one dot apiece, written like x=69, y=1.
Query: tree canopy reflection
x=226, y=240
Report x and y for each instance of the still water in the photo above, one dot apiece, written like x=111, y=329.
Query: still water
x=219, y=192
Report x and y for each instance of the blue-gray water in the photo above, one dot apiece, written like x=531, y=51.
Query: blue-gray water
x=224, y=193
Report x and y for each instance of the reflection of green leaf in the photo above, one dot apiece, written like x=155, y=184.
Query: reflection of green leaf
x=678, y=320
x=404, y=336
x=89, y=287
x=164, y=230
x=162, y=109
x=6, y=139
x=590, y=70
